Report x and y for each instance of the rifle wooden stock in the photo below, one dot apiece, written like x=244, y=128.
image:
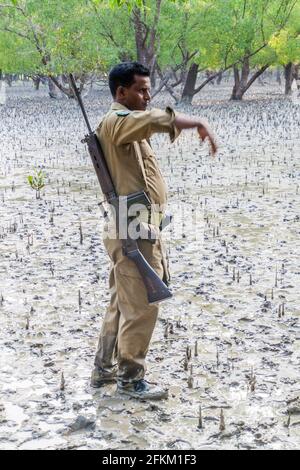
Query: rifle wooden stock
x=157, y=290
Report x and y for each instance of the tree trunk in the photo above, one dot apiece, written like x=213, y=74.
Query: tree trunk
x=296, y=76
x=219, y=79
x=36, y=82
x=288, y=75
x=243, y=83
x=139, y=30
x=146, y=39
x=240, y=82
x=2, y=89
x=52, y=89
x=236, y=86
x=9, y=79
x=190, y=84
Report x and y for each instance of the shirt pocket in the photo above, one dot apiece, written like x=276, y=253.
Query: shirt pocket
x=149, y=160
x=128, y=269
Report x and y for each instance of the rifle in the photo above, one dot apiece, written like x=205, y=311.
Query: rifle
x=157, y=291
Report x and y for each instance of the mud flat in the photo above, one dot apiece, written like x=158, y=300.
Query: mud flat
x=227, y=342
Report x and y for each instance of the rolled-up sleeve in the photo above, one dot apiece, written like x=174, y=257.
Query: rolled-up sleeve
x=139, y=125
x=174, y=133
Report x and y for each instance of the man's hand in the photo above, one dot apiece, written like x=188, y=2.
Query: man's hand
x=185, y=122
x=206, y=133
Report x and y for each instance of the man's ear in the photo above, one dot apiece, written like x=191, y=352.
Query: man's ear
x=121, y=92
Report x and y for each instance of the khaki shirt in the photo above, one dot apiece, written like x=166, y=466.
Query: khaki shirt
x=124, y=136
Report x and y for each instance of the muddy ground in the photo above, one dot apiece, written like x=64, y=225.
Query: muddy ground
x=236, y=284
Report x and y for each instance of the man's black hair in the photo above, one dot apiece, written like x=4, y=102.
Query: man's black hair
x=123, y=75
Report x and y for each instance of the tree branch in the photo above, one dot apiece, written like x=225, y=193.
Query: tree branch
x=256, y=75
x=21, y=35
x=166, y=84
x=244, y=8
x=209, y=79
x=108, y=35
x=224, y=69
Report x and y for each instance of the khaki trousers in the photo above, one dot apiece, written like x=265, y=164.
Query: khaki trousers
x=129, y=320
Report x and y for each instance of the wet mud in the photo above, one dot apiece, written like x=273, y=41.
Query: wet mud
x=227, y=344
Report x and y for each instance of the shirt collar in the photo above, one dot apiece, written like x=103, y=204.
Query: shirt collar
x=117, y=106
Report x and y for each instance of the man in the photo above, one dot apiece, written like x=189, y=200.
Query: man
x=124, y=136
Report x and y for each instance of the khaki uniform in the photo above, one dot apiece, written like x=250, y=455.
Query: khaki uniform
x=129, y=321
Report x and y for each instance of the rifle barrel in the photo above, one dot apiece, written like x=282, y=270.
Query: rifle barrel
x=77, y=94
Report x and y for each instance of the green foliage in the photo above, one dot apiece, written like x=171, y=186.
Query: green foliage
x=232, y=29
x=54, y=37
x=286, y=44
x=37, y=181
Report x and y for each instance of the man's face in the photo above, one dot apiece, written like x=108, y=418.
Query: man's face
x=137, y=96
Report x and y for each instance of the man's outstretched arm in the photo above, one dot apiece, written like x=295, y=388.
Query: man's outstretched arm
x=138, y=125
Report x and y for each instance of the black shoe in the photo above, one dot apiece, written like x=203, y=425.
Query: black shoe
x=141, y=389
x=102, y=377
